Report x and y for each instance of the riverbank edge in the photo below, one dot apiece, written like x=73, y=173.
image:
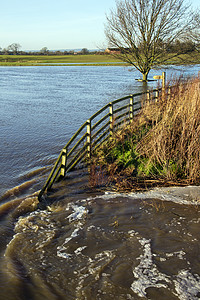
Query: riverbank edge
x=130, y=164
x=75, y=60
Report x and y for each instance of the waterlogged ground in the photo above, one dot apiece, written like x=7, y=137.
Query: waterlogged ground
x=105, y=245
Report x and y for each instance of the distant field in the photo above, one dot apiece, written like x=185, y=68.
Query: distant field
x=89, y=59
x=34, y=60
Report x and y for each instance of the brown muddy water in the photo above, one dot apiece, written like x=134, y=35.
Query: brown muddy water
x=87, y=244
x=102, y=245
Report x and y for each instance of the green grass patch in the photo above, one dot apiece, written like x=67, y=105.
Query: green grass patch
x=89, y=59
x=34, y=60
x=162, y=144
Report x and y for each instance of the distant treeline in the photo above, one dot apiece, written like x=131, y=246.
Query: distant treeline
x=177, y=46
x=14, y=49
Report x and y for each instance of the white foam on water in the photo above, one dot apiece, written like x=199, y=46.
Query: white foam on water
x=13, y=238
x=47, y=237
x=102, y=255
x=133, y=233
x=172, y=194
x=146, y=273
x=78, y=214
x=187, y=285
x=187, y=195
x=63, y=247
x=107, y=196
x=99, y=262
x=195, y=221
x=93, y=269
x=91, y=227
x=63, y=255
x=79, y=250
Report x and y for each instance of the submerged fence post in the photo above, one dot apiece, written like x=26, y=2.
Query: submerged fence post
x=148, y=95
x=131, y=108
x=63, y=163
x=89, y=139
x=157, y=95
x=111, y=117
x=163, y=85
x=169, y=92
x=163, y=79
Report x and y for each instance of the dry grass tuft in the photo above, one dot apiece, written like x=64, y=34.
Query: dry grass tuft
x=172, y=145
x=161, y=145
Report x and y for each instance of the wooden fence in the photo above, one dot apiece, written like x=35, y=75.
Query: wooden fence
x=98, y=128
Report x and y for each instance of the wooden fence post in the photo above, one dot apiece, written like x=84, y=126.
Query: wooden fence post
x=89, y=139
x=111, y=118
x=157, y=95
x=163, y=85
x=63, y=163
x=169, y=92
x=163, y=79
x=131, y=108
x=148, y=95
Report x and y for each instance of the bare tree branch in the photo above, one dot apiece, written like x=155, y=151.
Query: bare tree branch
x=143, y=30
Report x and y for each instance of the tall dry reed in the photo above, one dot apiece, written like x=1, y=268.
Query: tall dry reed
x=171, y=148
x=160, y=146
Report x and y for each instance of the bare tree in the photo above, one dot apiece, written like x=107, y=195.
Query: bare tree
x=84, y=51
x=194, y=35
x=44, y=51
x=14, y=48
x=143, y=30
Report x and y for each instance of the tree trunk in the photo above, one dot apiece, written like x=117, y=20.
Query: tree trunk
x=145, y=76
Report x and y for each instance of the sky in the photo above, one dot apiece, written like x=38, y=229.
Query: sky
x=56, y=24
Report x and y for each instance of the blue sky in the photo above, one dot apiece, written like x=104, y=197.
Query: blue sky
x=61, y=24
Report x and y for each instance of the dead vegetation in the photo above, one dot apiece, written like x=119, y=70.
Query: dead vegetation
x=160, y=147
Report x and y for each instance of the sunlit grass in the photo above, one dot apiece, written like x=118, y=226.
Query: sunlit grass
x=96, y=59
x=161, y=144
x=9, y=60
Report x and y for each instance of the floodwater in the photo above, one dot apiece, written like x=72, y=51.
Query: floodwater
x=87, y=243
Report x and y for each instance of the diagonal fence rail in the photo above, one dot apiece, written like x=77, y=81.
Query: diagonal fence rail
x=97, y=129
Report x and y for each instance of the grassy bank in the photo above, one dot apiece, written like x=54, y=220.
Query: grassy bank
x=160, y=146
x=89, y=59
x=34, y=60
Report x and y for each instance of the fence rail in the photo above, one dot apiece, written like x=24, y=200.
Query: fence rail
x=98, y=128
